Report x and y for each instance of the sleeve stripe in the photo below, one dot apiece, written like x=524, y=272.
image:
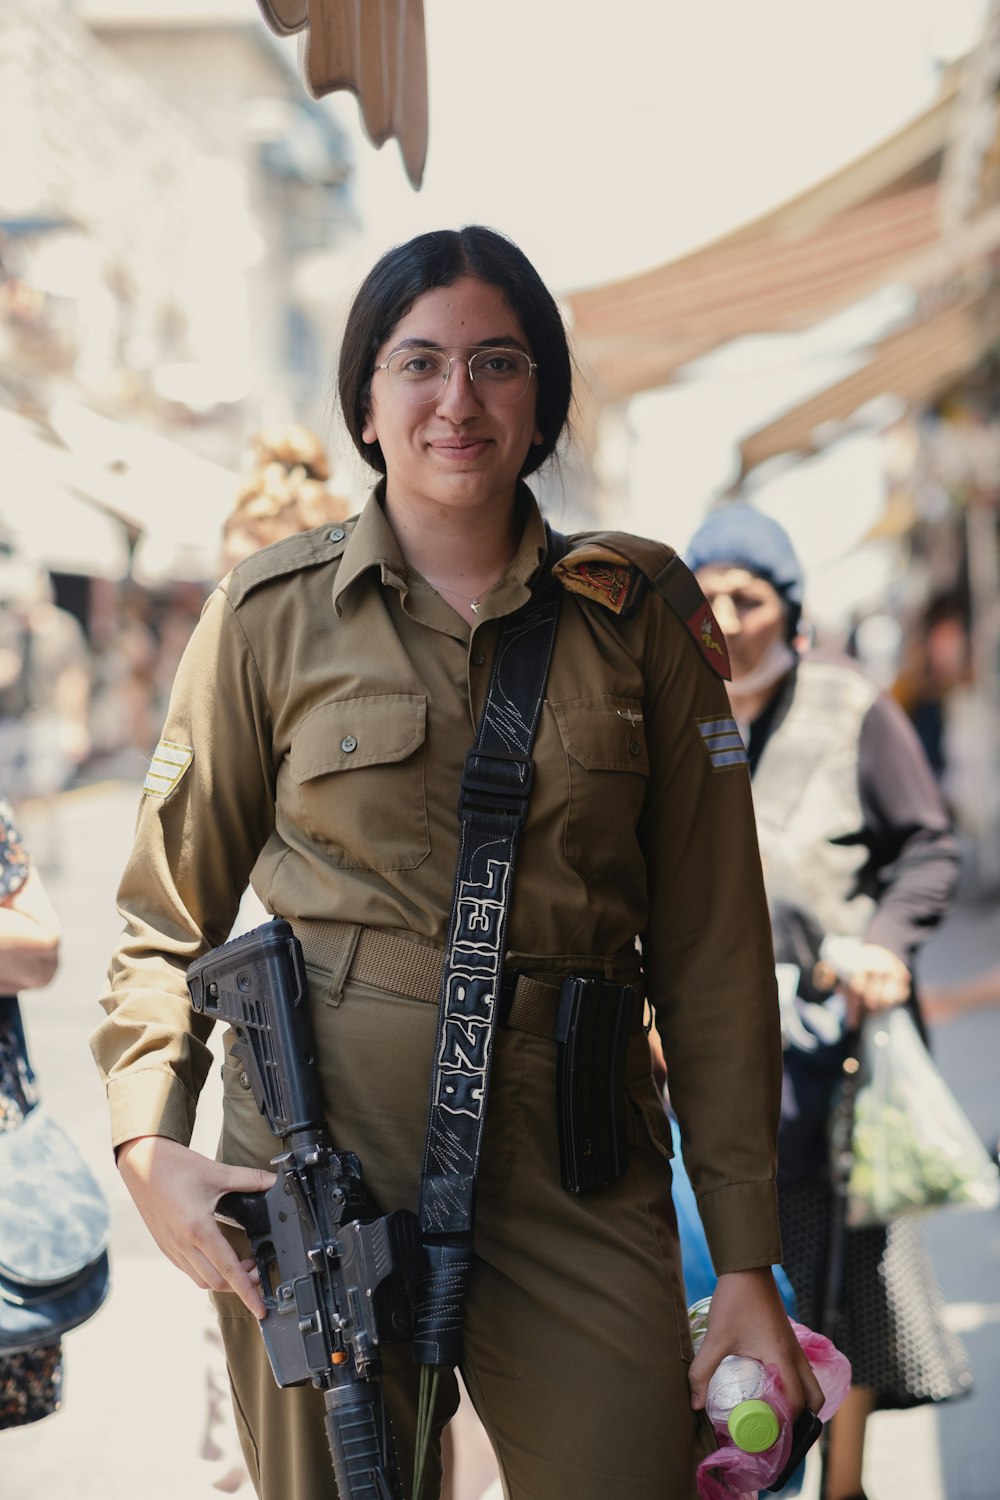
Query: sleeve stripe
x=177, y=755
x=168, y=763
x=729, y=758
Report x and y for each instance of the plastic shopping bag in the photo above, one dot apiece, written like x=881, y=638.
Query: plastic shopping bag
x=913, y=1147
x=699, y=1273
x=732, y=1474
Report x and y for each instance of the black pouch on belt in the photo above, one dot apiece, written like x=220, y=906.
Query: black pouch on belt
x=594, y=1022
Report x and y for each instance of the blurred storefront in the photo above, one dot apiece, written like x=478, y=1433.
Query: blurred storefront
x=166, y=192
x=172, y=205
x=944, y=507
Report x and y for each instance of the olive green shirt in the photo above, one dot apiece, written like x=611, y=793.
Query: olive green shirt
x=314, y=745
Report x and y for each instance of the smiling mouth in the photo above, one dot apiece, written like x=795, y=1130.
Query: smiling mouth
x=457, y=448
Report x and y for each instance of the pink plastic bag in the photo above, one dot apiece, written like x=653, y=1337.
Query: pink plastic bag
x=731, y=1474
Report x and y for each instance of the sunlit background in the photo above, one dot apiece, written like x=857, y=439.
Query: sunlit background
x=773, y=227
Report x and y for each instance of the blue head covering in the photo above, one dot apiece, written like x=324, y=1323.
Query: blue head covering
x=737, y=534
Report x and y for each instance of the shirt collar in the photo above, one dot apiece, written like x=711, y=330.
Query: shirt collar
x=372, y=544
x=514, y=587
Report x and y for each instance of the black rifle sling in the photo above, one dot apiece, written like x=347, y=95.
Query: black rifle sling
x=496, y=785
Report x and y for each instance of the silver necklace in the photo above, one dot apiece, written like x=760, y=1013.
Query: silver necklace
x=474, y=600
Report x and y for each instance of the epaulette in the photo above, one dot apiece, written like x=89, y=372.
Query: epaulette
x=307, y=549
x=613, y=568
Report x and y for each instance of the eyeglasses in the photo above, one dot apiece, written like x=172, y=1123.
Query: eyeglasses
x=419, y=375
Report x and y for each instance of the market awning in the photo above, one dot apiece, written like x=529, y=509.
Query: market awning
x=914, y=365
x=63, y=533
x=173, y=497
x=875, y=221
x=44, y=514
x=373, y=48
x=637, y=333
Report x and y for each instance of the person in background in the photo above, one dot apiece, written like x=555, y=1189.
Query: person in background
x=855, y=842
x=284, y=492
x=30, y=1382
x=315, y=741
x=46, y=673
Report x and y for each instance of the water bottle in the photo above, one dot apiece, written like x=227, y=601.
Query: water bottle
x=733, y=1404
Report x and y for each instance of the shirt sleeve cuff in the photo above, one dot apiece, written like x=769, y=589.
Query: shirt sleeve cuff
x=892, y=933
x=150, y=1101
x=741, y=1226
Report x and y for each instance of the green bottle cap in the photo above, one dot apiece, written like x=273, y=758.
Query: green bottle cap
x=753, y=1426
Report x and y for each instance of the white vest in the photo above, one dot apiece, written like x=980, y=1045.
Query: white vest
x=805, y=794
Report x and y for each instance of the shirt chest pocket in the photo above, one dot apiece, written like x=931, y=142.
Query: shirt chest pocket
x=358, y=767
x=607, y=763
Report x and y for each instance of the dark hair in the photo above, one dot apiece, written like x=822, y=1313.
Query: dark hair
x=440, y=259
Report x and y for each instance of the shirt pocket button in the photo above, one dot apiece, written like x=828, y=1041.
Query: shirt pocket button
x=348, y=743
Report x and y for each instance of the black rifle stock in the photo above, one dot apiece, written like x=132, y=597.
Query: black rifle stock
x=334, y=1277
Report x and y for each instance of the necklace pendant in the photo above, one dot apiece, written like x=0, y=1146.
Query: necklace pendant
x=474, y=606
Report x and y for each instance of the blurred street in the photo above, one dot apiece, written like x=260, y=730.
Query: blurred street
x=135, y=1376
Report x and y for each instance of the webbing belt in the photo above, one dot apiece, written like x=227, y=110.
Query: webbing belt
x=370, y=956
x=496, y=785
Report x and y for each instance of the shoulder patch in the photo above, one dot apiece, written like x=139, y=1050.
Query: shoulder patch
x=307, y=549
x=680, y=588
x=170, y=761
x=656, y=563
x=600, y=573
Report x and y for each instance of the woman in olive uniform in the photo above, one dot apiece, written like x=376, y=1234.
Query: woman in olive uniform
x=314, y=744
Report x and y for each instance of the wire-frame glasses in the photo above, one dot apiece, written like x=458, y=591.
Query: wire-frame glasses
x=420, y=374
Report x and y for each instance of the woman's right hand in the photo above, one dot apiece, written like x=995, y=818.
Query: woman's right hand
x=879, y=981
x=176, y=1190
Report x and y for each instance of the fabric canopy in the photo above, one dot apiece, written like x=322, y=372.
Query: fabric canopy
x=915, y=365
x=46, y=512
x=875, y=221
x=638, y=332
x=374, y=48
x=172, y=497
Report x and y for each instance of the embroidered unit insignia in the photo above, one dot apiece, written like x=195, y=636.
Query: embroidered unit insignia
x=605, y=582
x=166, y=768
x=723, y=742
x=679, y=587
x=600, y=574
x=705, y=629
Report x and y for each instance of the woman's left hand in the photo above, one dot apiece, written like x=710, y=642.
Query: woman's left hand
x=747, y=1316
x=880, y=981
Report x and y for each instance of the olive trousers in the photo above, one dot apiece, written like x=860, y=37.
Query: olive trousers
x=576, y=1347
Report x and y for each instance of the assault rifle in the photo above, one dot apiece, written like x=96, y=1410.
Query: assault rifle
x=334, y=1277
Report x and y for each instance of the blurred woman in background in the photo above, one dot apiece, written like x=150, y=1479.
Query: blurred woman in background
x=855, y=842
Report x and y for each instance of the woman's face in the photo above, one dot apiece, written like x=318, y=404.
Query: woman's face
x=750, y=612
x=464, y=448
